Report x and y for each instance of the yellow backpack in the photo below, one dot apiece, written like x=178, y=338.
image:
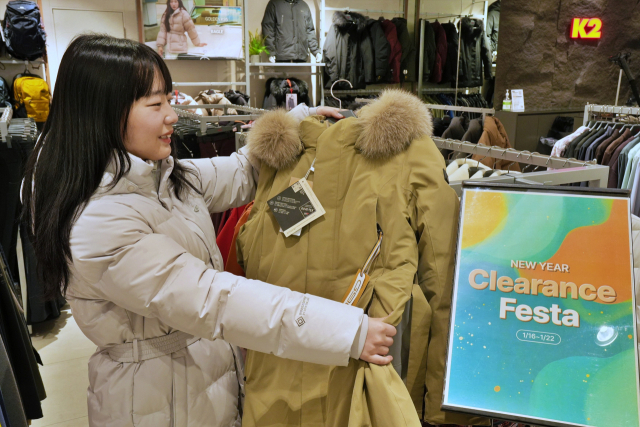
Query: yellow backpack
x=33, y=94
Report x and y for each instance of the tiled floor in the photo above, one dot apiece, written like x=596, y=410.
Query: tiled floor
x=65, y=352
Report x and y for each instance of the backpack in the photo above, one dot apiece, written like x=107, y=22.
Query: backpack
x=23, y=34
x=32, y=98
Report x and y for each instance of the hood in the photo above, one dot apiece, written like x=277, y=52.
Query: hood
x=389, y=125
x=471, y=28
x=349, y=21
x=279, y=88
x=400, y=23
x=495, y=7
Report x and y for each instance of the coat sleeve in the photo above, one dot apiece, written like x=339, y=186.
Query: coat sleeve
x=190, y=28
x=269, y=22
x=330, y=58
x=486, y=56
x=146, y=272
x=381, y=49
x=162, y=34
x=226, y=182
x=311, y=34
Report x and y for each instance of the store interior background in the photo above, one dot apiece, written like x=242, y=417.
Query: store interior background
x=535, y=54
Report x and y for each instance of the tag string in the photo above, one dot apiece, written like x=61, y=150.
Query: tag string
x=311, y=169
x=374, y=253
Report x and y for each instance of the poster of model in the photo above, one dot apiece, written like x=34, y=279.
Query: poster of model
x=187, y=29
x=543, y=323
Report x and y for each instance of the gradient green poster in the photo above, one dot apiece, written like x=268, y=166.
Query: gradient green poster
x=542, y=323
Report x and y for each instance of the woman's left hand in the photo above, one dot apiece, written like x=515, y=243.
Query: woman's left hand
x=329, y=112
x=202, y=44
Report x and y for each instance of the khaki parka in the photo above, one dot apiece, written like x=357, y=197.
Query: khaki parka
x=381, y=168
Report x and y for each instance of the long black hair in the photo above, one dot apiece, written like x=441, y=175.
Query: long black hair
x=169, y=12
x=99, y=79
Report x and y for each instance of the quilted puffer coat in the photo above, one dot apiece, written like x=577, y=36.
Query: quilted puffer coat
x=175, y=40
x=380, y=168
x=145, y=265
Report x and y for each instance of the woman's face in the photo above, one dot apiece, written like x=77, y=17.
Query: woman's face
x=150, y=125
x=174, y=4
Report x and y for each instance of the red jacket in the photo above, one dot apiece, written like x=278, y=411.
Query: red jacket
x=396, y=49
x=441, y=52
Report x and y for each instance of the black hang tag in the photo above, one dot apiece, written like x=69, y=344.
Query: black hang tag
x=291, y=207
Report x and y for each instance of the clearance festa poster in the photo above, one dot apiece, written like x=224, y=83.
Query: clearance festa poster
x=542, y=322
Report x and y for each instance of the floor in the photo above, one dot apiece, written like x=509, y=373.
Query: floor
x=65, y=352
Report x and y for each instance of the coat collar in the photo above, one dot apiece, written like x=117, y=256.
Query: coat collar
x=140, y=179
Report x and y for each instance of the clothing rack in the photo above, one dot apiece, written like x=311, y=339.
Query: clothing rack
x=466, y=90
x=349, y=9
x=5, y=119
x=561, y=171
x=207, y=84
x=591, y=109
x=359, y=91
x=483, y=111
x=181, y=110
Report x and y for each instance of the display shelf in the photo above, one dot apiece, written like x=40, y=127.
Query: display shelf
x=287, y=64
x=208, y=83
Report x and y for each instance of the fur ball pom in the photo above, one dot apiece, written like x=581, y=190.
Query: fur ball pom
x=274, y=139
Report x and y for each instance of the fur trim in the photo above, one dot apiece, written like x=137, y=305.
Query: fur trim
x=274, y=139
x=343, y=23
x=390, y=124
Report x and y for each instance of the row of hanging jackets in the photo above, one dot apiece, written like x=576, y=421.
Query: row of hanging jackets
x=441, y=53
x=211, y=96
x=489, y=132
x=368, y=51
x=609, y=144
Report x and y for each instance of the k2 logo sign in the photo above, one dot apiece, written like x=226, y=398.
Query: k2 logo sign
x=579, y=28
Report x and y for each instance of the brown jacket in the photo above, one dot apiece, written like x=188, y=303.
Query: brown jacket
x=495, y=135
x=380, y=168
x=176, y=41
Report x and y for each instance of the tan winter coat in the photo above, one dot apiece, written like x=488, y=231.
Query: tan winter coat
x=176, y=41
x=381, y=168
x=146, y=264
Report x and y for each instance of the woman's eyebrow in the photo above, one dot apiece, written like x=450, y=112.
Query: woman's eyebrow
x=157, y=92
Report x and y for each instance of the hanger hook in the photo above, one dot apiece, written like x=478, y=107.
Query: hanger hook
x=334, y=97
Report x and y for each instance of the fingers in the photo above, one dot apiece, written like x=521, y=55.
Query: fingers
x=388, y=341
x=390, y=330
x=380, y=360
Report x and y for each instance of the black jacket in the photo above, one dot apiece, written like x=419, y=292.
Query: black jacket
x=277, y=89
x=408, y=61
x=449, y=69
x=493, y=24
x=429, y=56
x=375, y=50
x=342, y=52
x=288, y=29
x=475, y=52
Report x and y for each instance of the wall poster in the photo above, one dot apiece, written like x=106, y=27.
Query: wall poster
x=196, y=31
x=543, y=322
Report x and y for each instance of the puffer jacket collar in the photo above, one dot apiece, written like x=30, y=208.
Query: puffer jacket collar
x=387, y=128
x=471, y=28
x=140, y=180
x=349, y=21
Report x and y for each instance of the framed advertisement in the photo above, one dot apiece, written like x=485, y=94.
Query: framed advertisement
x=543, y=326
x=196, y=31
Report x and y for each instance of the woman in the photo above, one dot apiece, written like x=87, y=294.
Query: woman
x=123, y=229
x=175, y=22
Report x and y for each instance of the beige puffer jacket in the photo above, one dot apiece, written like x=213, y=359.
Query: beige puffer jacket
x=213, y=96
x=176, y=41
x=146, y=264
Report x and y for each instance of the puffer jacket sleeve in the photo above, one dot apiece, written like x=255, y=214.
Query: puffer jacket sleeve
x=226, y=182
x=486, y=55
x=190, y=27
x=311, y=34
x=269, y=22
x=162, y=34
x=381, y=49
x=330, y=56
x=436, y=211
x=119, y=258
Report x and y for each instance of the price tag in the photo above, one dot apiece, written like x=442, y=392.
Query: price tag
x=356, y=289
x=296, y=207
x=517, y=100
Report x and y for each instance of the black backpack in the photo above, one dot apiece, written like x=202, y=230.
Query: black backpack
x=23, y=34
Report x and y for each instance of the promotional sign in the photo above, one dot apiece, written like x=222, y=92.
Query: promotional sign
x=543, y=323
x=218, y=33
x=586, y=28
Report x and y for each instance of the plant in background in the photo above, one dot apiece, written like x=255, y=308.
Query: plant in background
x=256, y=44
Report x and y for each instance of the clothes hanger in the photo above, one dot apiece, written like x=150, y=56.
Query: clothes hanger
x=334, y=97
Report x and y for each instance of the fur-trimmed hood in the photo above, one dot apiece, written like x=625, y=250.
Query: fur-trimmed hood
x=471, y=28
x=347, y=21
x=279, y=88
x=388, y=126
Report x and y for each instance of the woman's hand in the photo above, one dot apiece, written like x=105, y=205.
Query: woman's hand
x=161, y=50
x=329, y=112
x=202, y=44
x=379, y=339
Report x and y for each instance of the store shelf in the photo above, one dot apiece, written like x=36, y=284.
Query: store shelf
x=287, y=64
x=17, y=61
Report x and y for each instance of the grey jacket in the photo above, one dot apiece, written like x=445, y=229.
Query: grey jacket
x=288, y=28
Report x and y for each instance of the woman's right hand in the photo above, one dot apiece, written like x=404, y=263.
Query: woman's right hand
x=161, y=50
x=379, y=339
